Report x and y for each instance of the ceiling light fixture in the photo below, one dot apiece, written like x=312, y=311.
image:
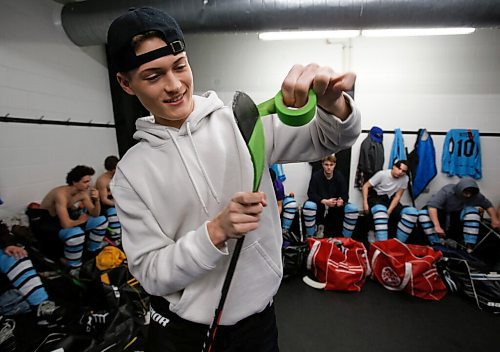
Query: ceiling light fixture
x=414, y=32
x=297, y=35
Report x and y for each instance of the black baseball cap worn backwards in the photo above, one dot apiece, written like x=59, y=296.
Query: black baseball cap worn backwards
x=139, y=21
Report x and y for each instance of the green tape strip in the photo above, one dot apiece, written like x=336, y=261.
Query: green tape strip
x=289, y=116
x=257, y=147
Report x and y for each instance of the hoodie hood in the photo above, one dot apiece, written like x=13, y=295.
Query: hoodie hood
x=465, y=183
x=450, y=197
x=156, y=134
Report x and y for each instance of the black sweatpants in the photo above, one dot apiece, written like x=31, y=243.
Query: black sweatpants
x=168, y=332
x=452, y=223
x=46, y=229
x=333, y=221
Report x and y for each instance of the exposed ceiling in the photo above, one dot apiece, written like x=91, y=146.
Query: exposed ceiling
x=86, y=22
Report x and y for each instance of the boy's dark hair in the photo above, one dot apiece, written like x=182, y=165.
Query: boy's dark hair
x=139, y=21
x=110, y=163
x=77, y=173
x=399, y=162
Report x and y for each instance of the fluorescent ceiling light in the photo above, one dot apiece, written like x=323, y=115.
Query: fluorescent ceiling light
x=297, y=35
x=411, y=32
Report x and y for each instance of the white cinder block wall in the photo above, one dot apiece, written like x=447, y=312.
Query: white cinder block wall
x=42, y=73
x=437, y=83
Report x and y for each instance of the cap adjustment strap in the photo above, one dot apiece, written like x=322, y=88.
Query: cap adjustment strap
x=172, y=48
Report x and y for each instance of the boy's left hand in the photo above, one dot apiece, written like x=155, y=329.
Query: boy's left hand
x=495, y=223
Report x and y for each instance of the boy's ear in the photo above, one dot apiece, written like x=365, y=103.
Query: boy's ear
x=124, y=83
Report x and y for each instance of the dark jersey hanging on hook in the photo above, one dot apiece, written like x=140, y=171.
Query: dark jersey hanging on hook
x=422, y=163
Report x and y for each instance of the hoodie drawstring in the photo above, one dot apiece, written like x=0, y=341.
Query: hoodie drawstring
x=200, y=164
x=189, y=172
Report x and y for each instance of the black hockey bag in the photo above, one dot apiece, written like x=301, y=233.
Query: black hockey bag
x=469, y=276
x=295, y=249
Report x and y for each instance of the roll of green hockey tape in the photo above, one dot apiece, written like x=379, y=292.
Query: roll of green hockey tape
x=289, y=116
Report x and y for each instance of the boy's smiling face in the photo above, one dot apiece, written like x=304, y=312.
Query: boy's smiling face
x=164, y=86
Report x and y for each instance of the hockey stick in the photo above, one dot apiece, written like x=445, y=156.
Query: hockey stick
x=248, y=118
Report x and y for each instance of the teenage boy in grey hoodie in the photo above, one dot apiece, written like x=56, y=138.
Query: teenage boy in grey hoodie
x=183, y=193
x=454, y=210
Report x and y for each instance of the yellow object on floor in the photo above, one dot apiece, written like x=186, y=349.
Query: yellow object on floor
x=109, y=258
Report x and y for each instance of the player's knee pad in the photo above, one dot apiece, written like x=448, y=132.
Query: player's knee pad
x=351, y=215
x=309, y=208
x=289, y=205
x=17, y=270
x=6, y=262
x=351, y=211
x=72, y=236
x=111, y=212
x=379, y=211
x=427, y=226
x=289, y=210
x=380, y=220
x=410, y=215
x=470, y=214
x=113, y=222
x=25, y=279
x=97, y=226
x=99, y=223
x=471, y=219
x=424, y=218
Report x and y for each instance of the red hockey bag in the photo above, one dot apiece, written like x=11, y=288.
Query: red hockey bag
x=339, y=264
x=412, y=268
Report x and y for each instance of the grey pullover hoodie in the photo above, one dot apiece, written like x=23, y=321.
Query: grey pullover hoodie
x=173, y=181
x=450, y=197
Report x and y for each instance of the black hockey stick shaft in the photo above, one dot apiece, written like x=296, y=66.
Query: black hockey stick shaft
x=207, y=347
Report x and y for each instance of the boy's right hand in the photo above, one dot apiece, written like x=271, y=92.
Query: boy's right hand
x=439, y=231
x=239, y=217
x=366, y=208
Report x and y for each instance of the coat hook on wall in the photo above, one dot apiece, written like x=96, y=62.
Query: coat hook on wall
x=41, y=120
